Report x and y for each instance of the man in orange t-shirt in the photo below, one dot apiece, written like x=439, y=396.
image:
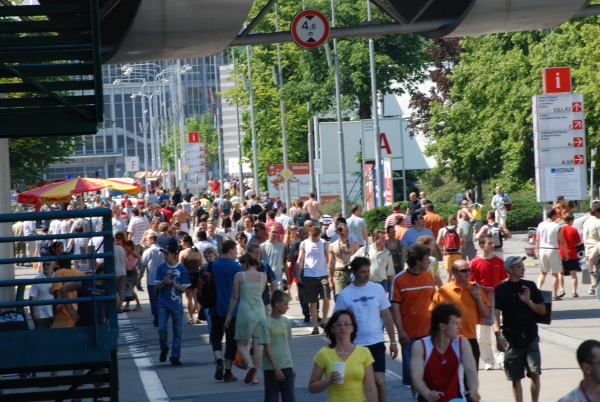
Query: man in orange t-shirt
x=470, y=298
x=435, y=223
x=411, y=295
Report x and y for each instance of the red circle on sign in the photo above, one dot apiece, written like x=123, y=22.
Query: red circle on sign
x=305, y=17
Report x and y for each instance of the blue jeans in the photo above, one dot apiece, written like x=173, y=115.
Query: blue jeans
x=163, y=319
x=153, y=296
x=384, y=283
x=406, y=374
x=274, y=387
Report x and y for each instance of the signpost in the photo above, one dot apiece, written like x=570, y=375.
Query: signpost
x=310, y=29
x=559, y=141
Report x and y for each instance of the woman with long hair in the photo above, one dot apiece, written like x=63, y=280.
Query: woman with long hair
x=248, y=287
x=226, y=228
x=358, y=381
x=192, y=259
x=291, y=237
x=241, y=240
x=131, y=264
x=236, y=214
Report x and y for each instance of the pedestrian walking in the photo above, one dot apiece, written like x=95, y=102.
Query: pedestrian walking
x=248, y=287
x=172, y=281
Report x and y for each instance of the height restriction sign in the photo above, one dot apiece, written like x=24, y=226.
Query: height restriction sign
x=310, y=28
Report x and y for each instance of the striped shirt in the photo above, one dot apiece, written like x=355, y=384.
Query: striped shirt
x=391, y=220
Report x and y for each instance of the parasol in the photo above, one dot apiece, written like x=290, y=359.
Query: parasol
x=62, y=191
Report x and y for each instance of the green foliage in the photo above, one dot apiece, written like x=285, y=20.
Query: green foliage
x=208, y=136
x=484, y=132
x=375, y=218
x=332, y=207
x=308, y=79
x=30, y=157
x=526, y=212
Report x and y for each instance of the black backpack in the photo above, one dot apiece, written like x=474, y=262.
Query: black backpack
x=207, y=289
x=226, y=207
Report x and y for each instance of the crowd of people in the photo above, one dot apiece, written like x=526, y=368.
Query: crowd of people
x=420, y=281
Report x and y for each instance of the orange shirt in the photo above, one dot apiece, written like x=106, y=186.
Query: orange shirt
x=414, y=294
x=400, y=230
x=66, y=273
x=561, y=211
x=462, y=298
x=433, y=222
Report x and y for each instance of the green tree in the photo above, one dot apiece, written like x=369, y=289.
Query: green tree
x=30, y=157
x=208, y=135
x=484, y=130
x=308, y=79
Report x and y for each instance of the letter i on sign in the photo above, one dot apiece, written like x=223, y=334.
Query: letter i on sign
x=557, y=80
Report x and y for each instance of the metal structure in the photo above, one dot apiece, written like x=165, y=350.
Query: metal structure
x=91, y=349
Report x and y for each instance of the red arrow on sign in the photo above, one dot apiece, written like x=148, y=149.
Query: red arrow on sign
x=579, y=159
x=577, y=124
x=576, y=107
x=578, y=141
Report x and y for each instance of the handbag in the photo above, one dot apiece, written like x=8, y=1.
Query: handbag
x=586, y=278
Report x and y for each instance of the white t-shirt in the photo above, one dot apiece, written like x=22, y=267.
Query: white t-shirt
x=548, y=234
x=366, y=302
x=42, y=291
x=315, y=261
x=274, y=255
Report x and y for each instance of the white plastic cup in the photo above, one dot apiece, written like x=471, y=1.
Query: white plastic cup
x=340, y=367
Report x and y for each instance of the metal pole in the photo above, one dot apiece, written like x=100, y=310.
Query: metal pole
x=182, y=160
x=219, y=133
x=311, y=164
x=239, y=134
x=145, y=134
x=375, y=115
x=176, y=109
x=7, y=271
x=254, y=144
x=284, y=144
x=592, y=166
x=339, y=119
x=318, y=154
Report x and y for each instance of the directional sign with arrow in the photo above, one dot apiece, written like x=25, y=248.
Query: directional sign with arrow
x=578, y=141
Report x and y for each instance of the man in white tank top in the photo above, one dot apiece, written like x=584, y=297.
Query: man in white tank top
x=549, y=236
x=317, y=283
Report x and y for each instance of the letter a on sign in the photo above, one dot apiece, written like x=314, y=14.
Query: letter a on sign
x=384, y=144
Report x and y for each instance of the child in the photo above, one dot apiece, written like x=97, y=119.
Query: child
x=171, y=281
x=275, y=334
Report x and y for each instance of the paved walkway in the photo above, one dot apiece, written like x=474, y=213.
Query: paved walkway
x=144, y=378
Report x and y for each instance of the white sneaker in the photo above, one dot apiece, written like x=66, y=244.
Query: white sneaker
x=592, y=291
x=488, y=366
x=500, y=365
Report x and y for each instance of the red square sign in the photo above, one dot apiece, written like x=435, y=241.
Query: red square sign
x=556, y=80
x=193, y=137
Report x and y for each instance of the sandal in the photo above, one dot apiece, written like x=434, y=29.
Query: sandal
x=575, y=294
x=137, y=308
x=198, y=321
x=249, y=375
x=190, y=321
x=126, y=309
x=255, y=382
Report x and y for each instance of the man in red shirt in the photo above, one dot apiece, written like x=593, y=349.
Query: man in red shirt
x=487, y=270
x=436, y=359
x=571, y=265
x=164, y=209
x=214, y=186
x=271, y=221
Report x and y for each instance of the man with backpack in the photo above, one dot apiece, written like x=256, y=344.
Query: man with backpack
x=498, y=232
x=450, y=239
x=226, y=206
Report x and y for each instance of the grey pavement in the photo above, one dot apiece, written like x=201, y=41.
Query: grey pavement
x=144, y=378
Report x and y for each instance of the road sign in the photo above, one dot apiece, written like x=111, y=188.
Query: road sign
x=559, y=144
x=318, y=166
x=194, y=137
x=310, y=29
x=132, y=163
x=556, y=80
x=286, y=173
x=185, y=168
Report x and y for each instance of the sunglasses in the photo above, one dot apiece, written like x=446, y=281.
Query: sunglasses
x=464, y=270
x=342, y=324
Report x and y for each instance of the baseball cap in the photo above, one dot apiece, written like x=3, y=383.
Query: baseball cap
x=172, y=246
x=512, y=260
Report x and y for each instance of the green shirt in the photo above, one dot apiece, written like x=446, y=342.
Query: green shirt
x=278, y=333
